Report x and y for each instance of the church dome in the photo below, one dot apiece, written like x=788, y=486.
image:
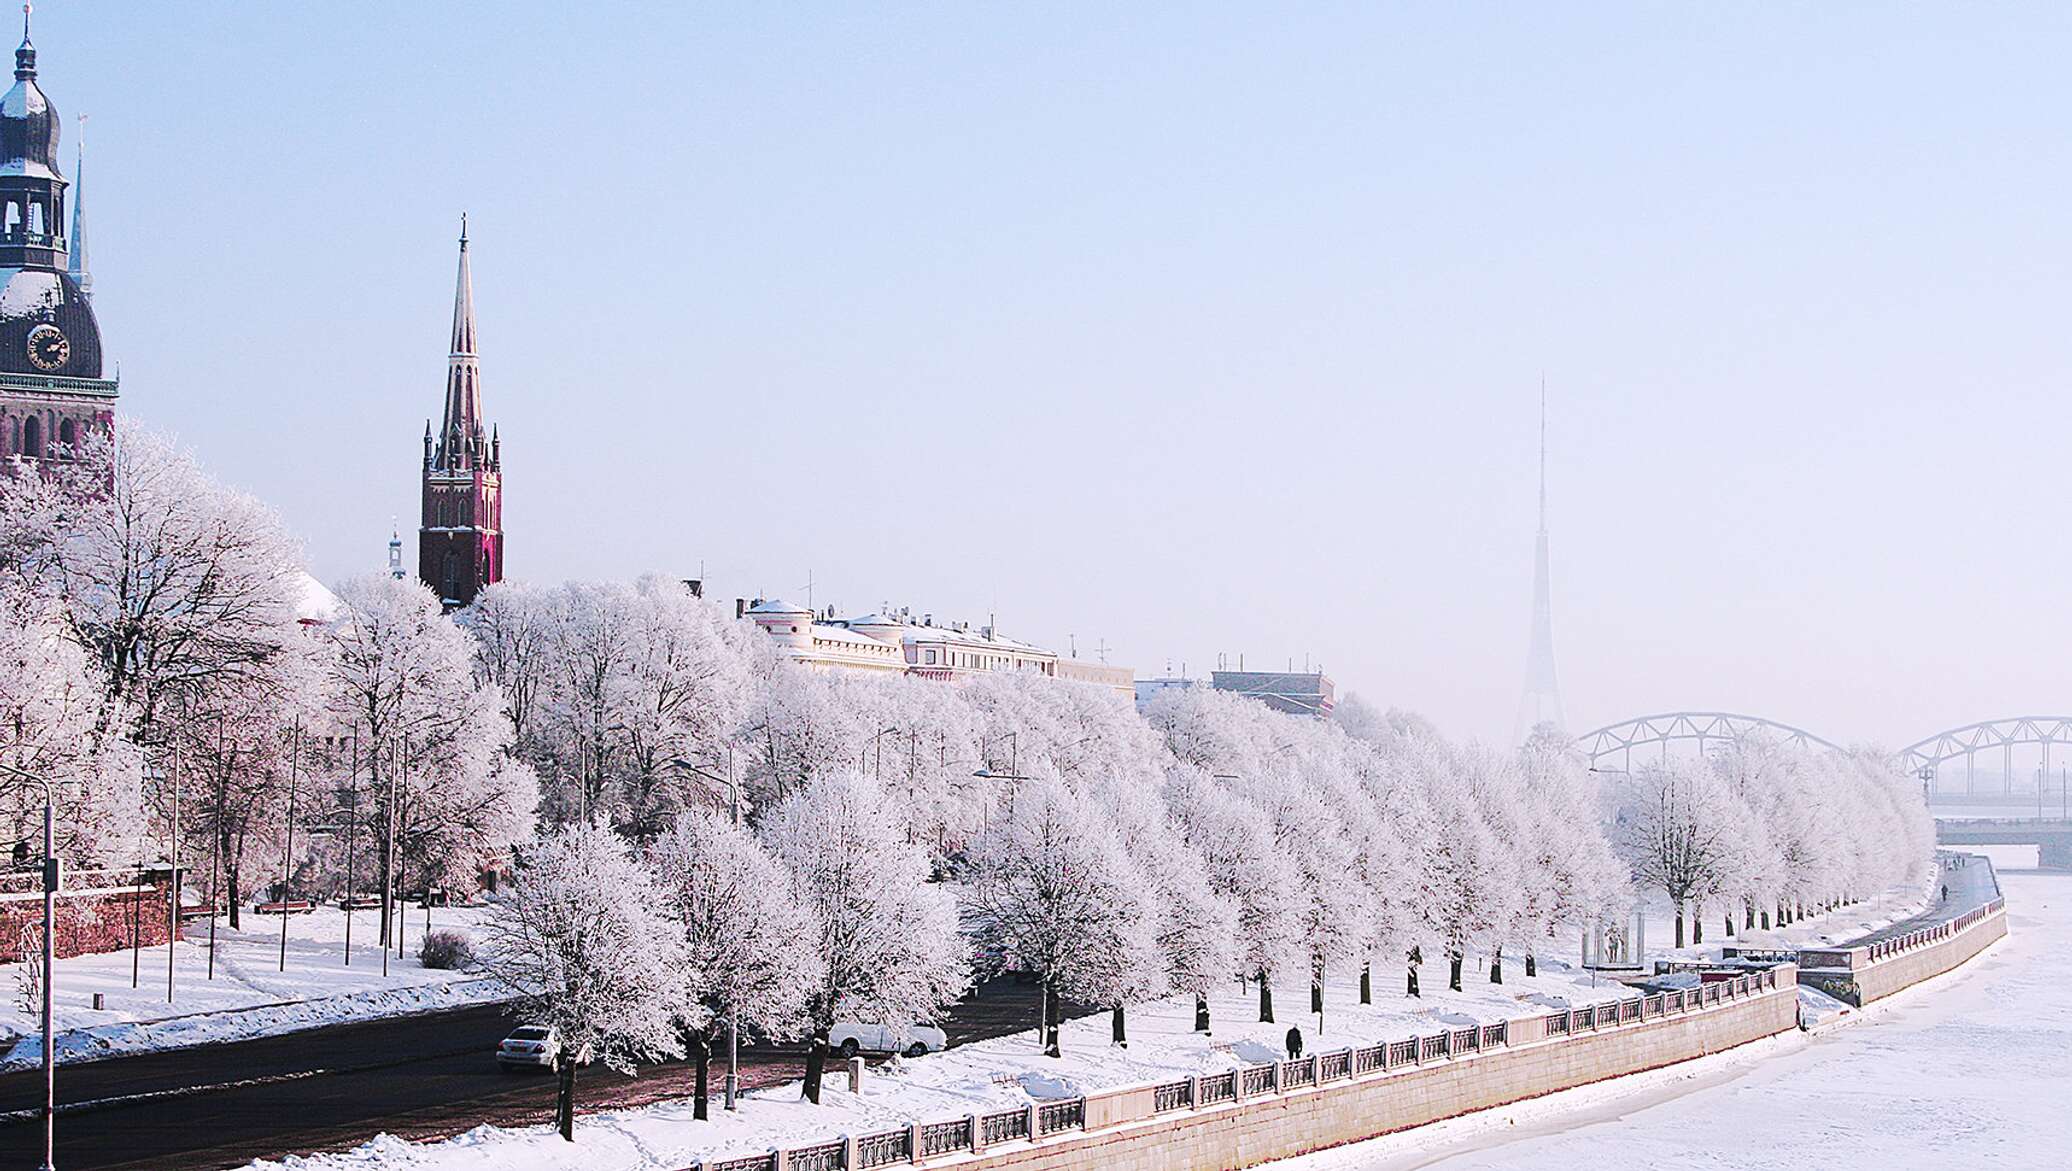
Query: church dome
x=28, y=122
x=46, y=326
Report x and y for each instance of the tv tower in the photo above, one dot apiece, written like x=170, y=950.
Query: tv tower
x=1541, y=703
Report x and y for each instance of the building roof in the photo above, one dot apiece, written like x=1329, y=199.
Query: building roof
x=777, y=606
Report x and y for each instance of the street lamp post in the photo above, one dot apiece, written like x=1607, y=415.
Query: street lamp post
x=50, y=893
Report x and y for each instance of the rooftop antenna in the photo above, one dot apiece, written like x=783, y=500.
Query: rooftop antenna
x=809, y=591
x=1102, y=650
x=1073, y=641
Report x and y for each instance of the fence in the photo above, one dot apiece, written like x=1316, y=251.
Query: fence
x=920, y=1141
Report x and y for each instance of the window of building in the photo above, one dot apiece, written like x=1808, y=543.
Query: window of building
x=32, y=437
x=931, y=658
x=68, y=433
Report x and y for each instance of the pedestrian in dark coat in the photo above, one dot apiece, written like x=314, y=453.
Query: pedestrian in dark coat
x=1294, y=1042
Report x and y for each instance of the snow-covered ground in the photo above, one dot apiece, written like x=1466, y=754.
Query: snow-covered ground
x=1969, y=1070
x=987, y=1076
x=250, y=996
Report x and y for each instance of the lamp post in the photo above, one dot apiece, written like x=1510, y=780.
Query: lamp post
x=732, y=1085
x=50, y=892
x=878, y=752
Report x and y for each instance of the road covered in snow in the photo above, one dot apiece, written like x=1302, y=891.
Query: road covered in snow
x=1968, y=1070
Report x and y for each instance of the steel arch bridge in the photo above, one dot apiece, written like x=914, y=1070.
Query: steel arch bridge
x=1925, y=757
x=1622, y=738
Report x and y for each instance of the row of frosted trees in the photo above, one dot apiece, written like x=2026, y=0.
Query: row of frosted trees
x=1761, y=834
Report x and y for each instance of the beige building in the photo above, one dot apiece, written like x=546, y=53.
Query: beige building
x=889, y=641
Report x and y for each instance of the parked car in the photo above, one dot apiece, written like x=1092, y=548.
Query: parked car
x=849, y=1038
x=533, y=1047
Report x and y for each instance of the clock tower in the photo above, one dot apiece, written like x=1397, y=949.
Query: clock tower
x=52, y=394
x=460, y=542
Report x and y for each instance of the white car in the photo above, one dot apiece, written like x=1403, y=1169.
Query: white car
x=532, y=1047
x=849, y=1038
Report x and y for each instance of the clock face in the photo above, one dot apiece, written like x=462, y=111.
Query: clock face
x=48, y=347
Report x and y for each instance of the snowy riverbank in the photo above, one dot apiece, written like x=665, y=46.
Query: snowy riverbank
x=985, y=1076
x=1924, y=1078
x=250, y=996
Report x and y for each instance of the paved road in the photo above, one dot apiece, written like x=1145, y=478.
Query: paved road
x=419, y=1077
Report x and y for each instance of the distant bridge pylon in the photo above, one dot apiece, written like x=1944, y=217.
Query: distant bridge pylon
x=1925, y=758
x=1622, y=738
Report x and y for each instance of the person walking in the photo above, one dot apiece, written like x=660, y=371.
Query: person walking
x=1294, y=1042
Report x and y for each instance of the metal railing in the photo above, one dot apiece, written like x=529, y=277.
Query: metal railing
x=894, y=1147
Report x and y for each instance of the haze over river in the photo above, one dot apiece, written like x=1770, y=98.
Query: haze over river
x=1971, y=1070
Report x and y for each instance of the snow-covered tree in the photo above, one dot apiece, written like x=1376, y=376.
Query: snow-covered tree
x=582, y=937
x=446, y=799
x=1052, y=888
x=887, y=937
x=55, y=723
x=751, y=964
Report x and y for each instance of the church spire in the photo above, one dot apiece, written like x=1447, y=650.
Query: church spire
x=461, y=441
x=1541, y=703
x=81, y=274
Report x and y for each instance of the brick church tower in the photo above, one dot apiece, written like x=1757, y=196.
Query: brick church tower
x=460, y=542
x=52, y=394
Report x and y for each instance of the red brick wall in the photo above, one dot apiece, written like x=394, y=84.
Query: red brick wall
x=86, y=923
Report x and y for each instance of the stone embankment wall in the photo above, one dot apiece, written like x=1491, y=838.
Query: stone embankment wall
x=1852, y=975
x=1234, y=1120
x=1281, y=1125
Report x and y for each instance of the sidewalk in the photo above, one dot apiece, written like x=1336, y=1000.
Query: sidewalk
x=1972, y=885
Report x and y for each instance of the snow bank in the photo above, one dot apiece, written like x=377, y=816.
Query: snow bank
x=983, y=1077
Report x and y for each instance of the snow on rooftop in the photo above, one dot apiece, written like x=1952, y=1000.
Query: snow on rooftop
x=313, y=602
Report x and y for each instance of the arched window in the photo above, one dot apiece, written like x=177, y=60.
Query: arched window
x=68, y=434
x=32, y=437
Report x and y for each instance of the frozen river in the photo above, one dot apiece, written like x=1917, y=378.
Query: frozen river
x=1971, y=1070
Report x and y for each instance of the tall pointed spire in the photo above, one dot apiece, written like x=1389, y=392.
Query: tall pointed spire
x=460, y=436
x=1541, y=703
x=81, y=274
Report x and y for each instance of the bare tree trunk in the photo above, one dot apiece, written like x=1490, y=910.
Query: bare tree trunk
x=1316, y=991
x=1201, y=1013
x=1532, y=966
x=1366, y=984
x=816, y=1062
x=1496, y=965
x=230, y=885
x=701, y=1053
x=1051, y=1013
x=1410, y=980
x=1119, y=1034
x=1697, y=925
x=565, y=1097
x=1679, y=923
x=1456, y=959
x=1265, y=999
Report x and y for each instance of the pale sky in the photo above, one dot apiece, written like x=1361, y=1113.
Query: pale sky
x=1195, y=331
